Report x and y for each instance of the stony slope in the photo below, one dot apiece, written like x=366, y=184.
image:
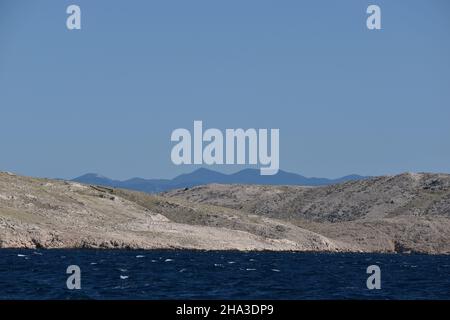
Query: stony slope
x=58, y=214
x=410, y=194
x=402, y=213
x=409, y=212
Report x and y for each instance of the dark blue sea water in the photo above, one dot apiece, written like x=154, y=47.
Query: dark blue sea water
x=123, y=274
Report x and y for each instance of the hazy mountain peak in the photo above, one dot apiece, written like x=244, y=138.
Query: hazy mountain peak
x=203, y=176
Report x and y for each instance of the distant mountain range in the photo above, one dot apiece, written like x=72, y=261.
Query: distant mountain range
x=205, y=176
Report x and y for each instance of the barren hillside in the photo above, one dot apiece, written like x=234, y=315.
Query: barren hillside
x=409, y=212
x=58, y=214
x=409, y=194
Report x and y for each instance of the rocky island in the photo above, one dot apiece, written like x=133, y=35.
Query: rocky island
x=403, y=213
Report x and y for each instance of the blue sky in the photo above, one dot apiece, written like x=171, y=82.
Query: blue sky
x=106, y=98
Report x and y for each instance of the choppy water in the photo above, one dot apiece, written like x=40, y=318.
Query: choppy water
x=123, y=274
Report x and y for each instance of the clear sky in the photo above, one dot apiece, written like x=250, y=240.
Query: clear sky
x=106, y=98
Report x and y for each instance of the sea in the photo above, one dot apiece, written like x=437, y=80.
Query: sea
x=184, y=274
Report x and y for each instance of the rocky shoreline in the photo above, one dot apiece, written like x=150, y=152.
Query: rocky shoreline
x=407, y=213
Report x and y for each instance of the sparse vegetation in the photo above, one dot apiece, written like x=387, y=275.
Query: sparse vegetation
x=404, y=213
